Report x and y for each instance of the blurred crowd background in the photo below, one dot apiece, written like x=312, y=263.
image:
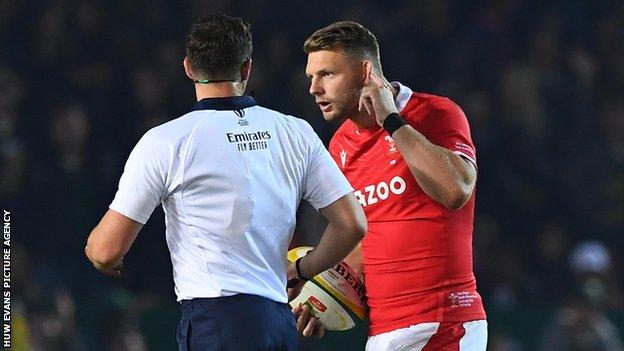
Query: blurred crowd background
x=542, y=84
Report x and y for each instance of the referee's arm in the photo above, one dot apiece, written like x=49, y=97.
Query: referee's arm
x=110, y=240
x=347, y=226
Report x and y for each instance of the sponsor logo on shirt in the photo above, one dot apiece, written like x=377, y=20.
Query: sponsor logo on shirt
x=249, y=141
x=381, y=191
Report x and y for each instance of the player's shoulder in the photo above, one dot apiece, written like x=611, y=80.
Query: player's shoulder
x=423, y=107
x=426, y=102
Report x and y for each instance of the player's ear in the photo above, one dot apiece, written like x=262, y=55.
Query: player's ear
x=246, y=70
x=367, y=68
x=187, y=68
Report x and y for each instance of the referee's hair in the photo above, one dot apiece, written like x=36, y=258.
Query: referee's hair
x=349, y=37
x=217, y=45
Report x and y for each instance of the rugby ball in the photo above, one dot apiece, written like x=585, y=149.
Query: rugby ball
x=336, y=296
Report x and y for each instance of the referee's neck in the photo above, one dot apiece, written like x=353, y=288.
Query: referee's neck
x=216, y=90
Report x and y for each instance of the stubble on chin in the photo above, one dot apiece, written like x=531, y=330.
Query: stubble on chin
x=349, y=106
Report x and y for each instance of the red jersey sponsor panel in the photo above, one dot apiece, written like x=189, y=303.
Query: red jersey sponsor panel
x=417, y=253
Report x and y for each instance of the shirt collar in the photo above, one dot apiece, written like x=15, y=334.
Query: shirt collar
x=225, y=103
x=405, y=93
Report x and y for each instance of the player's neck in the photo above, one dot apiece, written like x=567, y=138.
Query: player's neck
x=217, y=90
x=363, y=120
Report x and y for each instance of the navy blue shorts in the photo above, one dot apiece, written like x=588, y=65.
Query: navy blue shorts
x=237, y=323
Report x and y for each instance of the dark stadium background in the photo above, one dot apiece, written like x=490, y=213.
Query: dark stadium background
x=542, y=83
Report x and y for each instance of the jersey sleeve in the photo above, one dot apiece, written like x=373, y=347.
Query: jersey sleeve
x=324, y=183
x=142, y=185
x=447, y=126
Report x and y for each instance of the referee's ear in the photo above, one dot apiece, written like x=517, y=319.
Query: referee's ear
x=187, y=68
x=245, y=70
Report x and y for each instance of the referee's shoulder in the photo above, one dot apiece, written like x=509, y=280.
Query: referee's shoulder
x=289, y=121
x=177, y=128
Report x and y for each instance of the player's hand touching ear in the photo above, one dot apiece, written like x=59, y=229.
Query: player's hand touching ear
x=377, y=98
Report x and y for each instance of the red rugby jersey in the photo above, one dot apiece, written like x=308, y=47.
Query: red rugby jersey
x=417, y=253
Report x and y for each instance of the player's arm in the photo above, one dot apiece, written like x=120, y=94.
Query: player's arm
x=110, y=240
x=443, y=175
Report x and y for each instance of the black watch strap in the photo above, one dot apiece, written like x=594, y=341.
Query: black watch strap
x=393, y=122
x=298, y=268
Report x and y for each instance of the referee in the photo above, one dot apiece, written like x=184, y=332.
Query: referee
x=230, y=175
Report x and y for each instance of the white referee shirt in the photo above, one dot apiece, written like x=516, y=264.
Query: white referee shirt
x=230, y=176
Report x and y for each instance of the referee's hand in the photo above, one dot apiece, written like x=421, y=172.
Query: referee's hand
x=307, y=324
x=114, y=271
